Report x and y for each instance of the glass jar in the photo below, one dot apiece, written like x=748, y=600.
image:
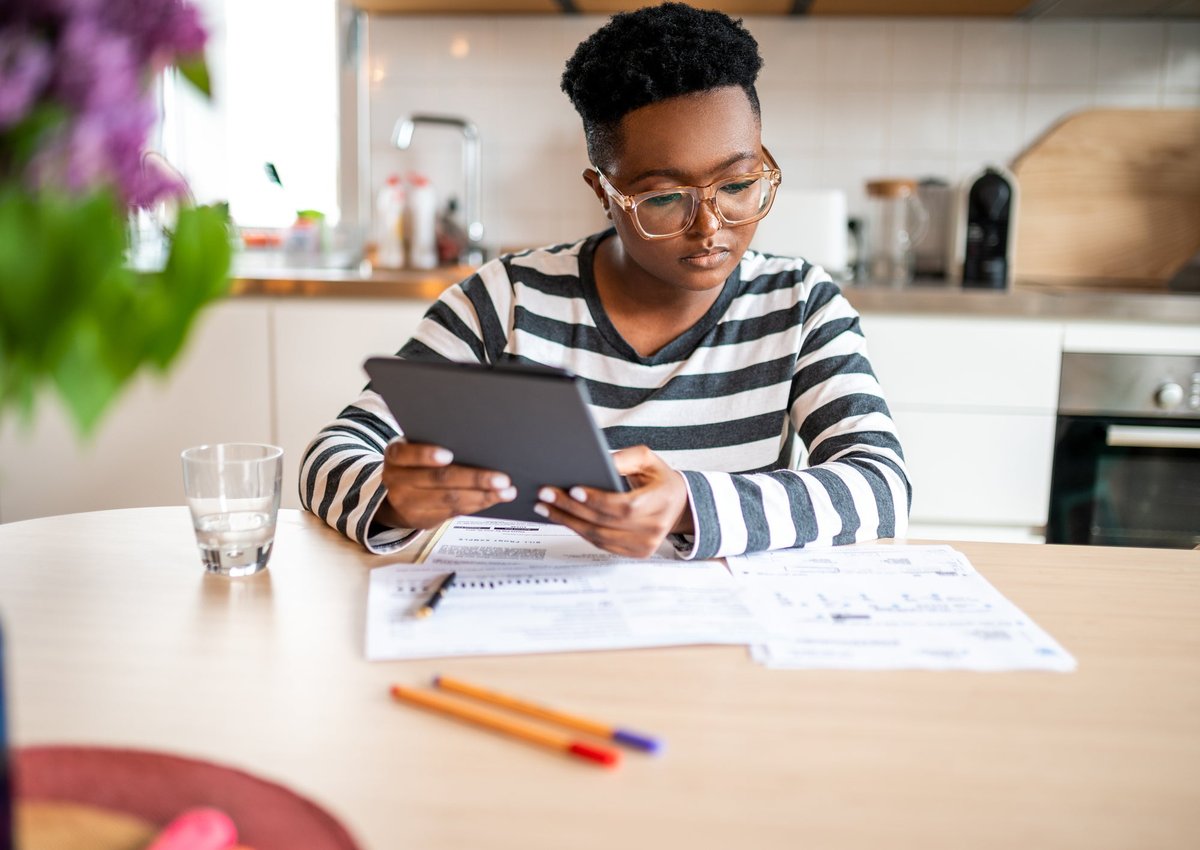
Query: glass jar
x=896, y=222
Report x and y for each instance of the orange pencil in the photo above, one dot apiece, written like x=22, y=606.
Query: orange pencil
x=552, y=715
x=506, y=725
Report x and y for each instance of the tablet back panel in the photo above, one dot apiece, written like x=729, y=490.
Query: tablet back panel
x=531, y=423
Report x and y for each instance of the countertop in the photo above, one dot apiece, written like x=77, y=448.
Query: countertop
x=1034, y=301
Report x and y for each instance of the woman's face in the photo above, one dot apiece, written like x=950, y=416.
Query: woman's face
x=693, y=140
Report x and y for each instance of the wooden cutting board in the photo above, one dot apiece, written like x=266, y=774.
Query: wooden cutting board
x=1110, y=197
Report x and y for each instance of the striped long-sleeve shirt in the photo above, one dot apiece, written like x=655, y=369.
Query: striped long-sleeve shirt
x=767, y=405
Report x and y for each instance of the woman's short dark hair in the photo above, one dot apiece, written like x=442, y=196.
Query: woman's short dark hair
x=653, y=54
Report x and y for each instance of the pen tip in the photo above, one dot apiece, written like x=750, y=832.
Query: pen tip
x=634, y=739
x=608, y=758
x=437, y=680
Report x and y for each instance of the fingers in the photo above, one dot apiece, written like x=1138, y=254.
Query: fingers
x=635, y=459
x=616, y=540
x=596, y=506
x=423, y=465
x=425, y=488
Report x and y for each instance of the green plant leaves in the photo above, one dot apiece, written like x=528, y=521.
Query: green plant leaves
x=195, y=71
x=73, y=315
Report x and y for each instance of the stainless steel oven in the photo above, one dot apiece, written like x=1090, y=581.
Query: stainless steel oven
x=1127, y=451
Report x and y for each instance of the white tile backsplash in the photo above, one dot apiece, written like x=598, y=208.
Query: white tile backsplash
x=1130, y=54
x=923, y=53
x=1182, y=69
x=989, y=119
x=844, y=99
x=857, y=52
x=921, y=121
x=1062, y=53
x=994, y=54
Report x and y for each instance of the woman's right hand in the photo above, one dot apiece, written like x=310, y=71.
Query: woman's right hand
x=425, y=487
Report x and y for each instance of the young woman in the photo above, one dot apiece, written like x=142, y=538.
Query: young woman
x=706, y=363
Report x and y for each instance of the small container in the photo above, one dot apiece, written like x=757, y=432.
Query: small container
x=896, y=222
x=422, y=223
x=390, y=223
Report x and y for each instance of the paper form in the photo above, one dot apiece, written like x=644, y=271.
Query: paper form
x=889, y=607
x=540, y=590
x=470, y=539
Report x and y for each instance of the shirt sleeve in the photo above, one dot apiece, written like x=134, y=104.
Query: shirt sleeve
x=341, y=473
x=855, y=485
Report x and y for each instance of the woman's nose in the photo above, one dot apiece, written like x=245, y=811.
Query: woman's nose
x=707, y=219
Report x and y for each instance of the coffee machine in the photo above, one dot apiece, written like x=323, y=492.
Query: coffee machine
x=985, y=234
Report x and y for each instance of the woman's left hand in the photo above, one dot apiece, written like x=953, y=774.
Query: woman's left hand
x=634, y=523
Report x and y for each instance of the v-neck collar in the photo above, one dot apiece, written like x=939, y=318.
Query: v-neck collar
x=675, y=350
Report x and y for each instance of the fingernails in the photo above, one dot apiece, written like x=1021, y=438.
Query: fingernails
x=541, y=510
x=500, y=481
x=508, y=494
x=578, y=494
x=442, y=456
x=546, y=495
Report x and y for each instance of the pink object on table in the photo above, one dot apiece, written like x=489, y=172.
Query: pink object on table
x=197, y=829
x=156, y=787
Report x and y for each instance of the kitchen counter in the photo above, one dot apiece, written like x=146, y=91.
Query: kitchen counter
x=935, y=297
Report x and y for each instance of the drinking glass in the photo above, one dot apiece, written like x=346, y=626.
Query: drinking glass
x=233, y=492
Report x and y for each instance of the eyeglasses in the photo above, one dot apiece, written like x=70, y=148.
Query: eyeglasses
x=663, y=213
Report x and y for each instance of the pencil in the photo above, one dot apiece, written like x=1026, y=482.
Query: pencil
x=436, y=596
x=562, y=718
x=506, y=725
x=427, y=549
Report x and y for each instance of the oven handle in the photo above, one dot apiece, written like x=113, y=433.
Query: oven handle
x=1151, y=437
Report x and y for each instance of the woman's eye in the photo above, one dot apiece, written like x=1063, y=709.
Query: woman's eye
x=664, y=200
x=737, y=187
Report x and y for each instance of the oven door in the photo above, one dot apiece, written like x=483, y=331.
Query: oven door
x=1125, y=482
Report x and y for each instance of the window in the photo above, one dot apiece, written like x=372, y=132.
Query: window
x=274, y=79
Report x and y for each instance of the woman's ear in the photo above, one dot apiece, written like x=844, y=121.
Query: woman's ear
x=592, y=178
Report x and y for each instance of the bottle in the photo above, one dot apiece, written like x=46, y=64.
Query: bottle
x=451, y=237
x=390, y=224
x=422, y=223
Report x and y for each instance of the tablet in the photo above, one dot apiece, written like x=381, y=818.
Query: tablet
x=530, y=422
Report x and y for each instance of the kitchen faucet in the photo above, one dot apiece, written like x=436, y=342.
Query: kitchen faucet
x=472, y=167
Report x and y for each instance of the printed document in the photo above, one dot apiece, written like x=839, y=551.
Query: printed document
x=530, y=588
x=888, y=607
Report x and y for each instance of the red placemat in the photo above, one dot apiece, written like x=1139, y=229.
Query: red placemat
x=156, y=787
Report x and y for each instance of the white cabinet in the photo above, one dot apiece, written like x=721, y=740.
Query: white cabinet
x=319, y=347
x=219, y=390
x=974, y=400
x=256, y=370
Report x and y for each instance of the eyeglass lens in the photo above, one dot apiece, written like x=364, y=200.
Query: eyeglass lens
x=738, y=200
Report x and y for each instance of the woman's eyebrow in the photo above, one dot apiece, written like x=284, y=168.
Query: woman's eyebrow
x=676, y=174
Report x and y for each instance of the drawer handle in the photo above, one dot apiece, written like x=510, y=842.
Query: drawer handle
x=1152, y=437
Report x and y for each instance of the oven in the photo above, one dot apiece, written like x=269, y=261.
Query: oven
x=1126, y=469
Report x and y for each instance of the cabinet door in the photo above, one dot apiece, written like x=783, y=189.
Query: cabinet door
x=978, y=468
x=966, y=363
x=218, y=391
x=319, y=349
x=975, y=401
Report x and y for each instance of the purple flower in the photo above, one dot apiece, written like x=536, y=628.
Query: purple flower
x=95, y=67
x=25, y=67
x=99, y=61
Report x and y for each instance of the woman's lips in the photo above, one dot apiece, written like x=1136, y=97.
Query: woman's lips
x=707, y=259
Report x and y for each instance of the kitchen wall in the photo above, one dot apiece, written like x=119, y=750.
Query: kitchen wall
x=843, y=100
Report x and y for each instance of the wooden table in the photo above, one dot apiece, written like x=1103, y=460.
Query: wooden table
x=117, y=637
